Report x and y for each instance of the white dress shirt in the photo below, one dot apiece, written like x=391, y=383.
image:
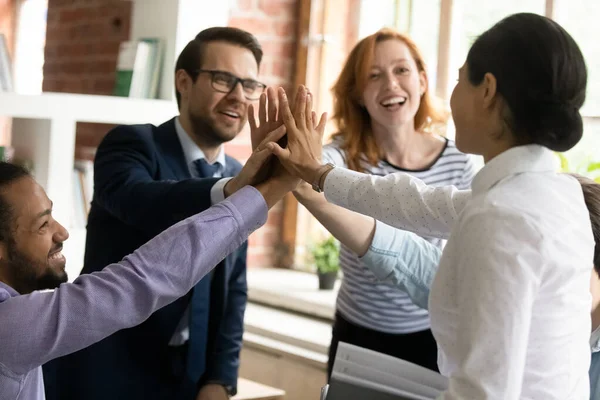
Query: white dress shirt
x=510, y=303
x=192, y=152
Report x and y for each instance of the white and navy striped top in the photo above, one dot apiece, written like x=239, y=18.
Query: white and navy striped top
x=363, y=300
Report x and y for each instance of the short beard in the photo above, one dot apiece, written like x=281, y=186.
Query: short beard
x=207, y=133
x=24, y=272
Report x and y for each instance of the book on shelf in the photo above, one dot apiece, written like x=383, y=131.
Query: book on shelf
x=6, y=81
x=138, y=68
x=83, y=186
x=360, y=373
x=6, y=153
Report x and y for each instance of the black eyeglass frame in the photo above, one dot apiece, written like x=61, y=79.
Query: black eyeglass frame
x=215, y=72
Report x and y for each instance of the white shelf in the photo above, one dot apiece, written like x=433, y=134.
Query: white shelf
x=177, y=22
x=45, y=125
x=87, y=108
x=296, y=330
x=292, y=290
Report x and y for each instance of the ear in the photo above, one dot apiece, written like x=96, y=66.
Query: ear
x=183, y=82
x=489, y=90
x=423, y=86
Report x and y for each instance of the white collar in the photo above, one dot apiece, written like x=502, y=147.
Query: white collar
x=528, y=158
x=191, y=151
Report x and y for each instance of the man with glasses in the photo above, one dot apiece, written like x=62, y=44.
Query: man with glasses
x=147, y=178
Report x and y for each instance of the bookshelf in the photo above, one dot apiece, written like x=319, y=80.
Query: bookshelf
x=45, y=124
x=177, y=22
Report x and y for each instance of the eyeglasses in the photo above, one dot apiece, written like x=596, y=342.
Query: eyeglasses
x=224, y=82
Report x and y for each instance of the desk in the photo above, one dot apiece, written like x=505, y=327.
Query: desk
x=249, y=390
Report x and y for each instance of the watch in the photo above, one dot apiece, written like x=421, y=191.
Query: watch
x=319, y=182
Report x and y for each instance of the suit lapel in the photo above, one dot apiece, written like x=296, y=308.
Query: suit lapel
x=170, y=148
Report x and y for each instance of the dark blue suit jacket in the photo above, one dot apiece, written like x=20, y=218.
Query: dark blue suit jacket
x=142, y=186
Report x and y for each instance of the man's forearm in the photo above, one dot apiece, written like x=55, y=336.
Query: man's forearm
x=159, y=272
x=273, y=190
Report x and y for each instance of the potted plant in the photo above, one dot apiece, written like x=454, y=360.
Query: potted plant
x=326, y=258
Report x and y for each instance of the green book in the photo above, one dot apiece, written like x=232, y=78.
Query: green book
x=125, y=64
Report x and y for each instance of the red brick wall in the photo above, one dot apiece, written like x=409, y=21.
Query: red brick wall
x=82, y=45
x=274, y=24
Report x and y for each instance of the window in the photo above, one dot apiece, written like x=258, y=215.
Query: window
x=424, y=29
x=469, y=21
x=444, y=31
x=29, y=49
x=579, y=18
x=374, y=18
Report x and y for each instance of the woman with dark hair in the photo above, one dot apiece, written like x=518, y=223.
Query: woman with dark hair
x=510, y=302
x=388, y=122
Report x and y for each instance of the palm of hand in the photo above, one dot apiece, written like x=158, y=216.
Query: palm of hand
x=302, y=155
x=268, y=118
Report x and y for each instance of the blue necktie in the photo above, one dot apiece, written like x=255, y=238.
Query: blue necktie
x=200, y=301
x=206, y=170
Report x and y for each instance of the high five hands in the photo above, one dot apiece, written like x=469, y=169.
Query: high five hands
x=292, y=134
x=258, y=167
x=300, y=150
x=301, y=155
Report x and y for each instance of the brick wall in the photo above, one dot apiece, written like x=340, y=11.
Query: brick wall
x=274, y=24
x=82, y=44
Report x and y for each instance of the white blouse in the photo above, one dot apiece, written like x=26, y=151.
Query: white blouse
x=510, y=303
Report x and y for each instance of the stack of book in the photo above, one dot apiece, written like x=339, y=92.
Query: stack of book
x=365, y=374
x=138, y=68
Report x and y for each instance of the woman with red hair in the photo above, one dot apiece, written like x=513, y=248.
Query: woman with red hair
x=387, y=122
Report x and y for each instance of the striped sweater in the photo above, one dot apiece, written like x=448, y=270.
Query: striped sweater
x=379, y=306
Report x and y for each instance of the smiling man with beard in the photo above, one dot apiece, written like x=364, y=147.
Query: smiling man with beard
x=37, y=326
x=147, y=178
x=33, y=259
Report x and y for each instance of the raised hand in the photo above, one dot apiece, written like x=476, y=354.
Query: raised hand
x=302, y=155
x=258, y=166
x=268, y=118
x=269, y=128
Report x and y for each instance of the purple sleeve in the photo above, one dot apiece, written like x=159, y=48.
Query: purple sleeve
x=41, y=326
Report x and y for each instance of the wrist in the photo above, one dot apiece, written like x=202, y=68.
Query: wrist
x=309, y=173
x=319, y=176
x=214, y=387
x=230, y=187
x=305, y=194
x=272, y=191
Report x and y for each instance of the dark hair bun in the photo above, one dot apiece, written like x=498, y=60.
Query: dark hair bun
x=556, y=126
x=541, y=75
